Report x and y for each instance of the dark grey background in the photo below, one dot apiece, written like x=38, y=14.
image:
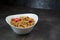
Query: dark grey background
x=42, y=4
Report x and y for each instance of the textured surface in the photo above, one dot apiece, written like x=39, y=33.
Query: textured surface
x=43, y=4
x=47, y=28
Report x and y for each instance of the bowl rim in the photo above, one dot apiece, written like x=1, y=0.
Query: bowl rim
x=21, y=14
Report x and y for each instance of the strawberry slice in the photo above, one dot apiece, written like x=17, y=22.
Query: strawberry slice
x=16, y=19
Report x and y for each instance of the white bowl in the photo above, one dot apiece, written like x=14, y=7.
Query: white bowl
x=22, y=30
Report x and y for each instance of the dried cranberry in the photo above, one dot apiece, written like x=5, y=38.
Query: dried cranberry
x=30, y=21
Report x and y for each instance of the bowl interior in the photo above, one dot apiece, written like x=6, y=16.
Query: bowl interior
x=34, y=16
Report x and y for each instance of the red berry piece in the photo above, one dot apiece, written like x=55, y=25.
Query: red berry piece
x=16, y=19
x=30, y=21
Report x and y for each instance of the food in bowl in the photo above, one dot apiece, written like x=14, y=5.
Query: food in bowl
x=17, y=17
x=22, y=22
